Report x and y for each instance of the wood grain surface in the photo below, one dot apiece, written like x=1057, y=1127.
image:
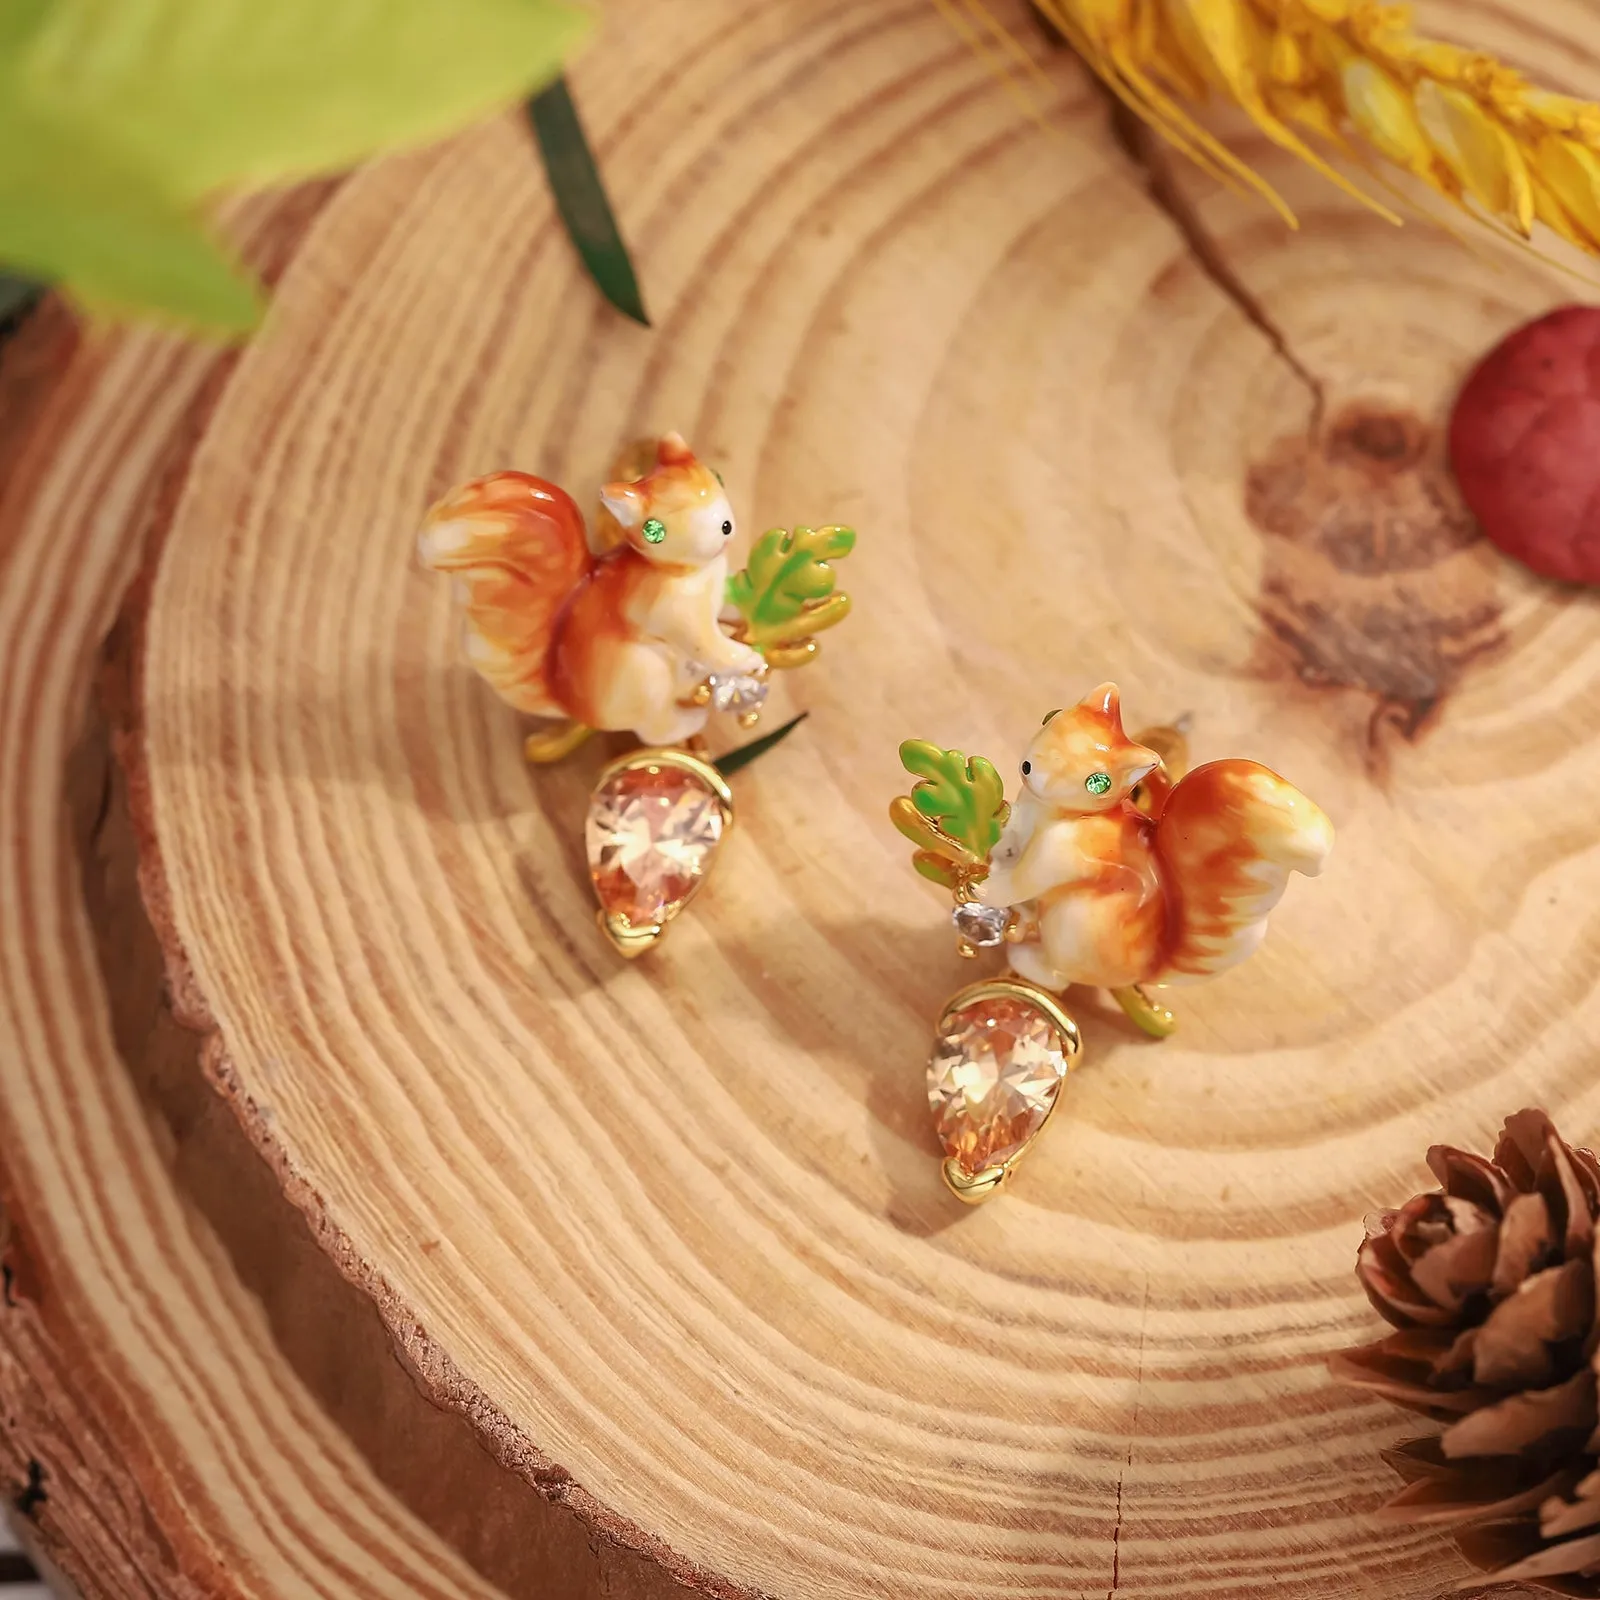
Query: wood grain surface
x=153, y=1438
x=670, y=1239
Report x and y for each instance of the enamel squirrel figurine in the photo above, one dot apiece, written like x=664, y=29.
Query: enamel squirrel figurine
x=634, y=624
x=1111, y=870
x=1171, y=890
x=618, y=637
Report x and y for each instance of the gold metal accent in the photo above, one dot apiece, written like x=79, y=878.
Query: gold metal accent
x=748, y=719
x=1147, y=1015
x=946, y=861
x=698, y=696
x=684, y=761
x=554, y=744
x=975, y=1187
x=628, y=941
x=1170, y=741
x=788, y=656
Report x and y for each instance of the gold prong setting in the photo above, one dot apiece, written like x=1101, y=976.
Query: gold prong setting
x=628, y=941
x=556, y=743
x=974, y=1188
x=651, y=757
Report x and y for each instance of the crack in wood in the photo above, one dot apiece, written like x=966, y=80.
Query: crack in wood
x=1153, y=156
x=1116, y=1532
x=1133, y=1438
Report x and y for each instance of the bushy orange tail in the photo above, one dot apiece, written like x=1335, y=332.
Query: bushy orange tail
x=1230, y=835
x=516, y=546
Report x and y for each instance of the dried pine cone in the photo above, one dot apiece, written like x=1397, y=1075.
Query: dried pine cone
x=1490, y=1285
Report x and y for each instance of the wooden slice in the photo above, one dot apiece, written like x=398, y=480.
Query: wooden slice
x=669, y=1239
x=154, y=1437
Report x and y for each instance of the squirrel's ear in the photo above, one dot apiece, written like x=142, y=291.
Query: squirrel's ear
x=624, y=502
x=1106, y=703
x=673, y=451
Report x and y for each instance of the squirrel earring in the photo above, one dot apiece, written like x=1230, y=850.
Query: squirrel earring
x=1111, y=869
x=635, y=626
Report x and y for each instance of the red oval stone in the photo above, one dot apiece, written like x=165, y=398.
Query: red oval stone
x=1525, y=444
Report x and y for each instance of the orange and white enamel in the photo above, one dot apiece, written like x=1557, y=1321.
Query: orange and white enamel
x=616, y=638
x=1171, y=892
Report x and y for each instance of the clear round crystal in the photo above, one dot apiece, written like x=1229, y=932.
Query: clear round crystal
x=980, y=925
x=737, y=691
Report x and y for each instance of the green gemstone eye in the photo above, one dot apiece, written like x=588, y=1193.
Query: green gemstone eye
x=718, y=476
x=654, y=530
x=1049, y=714
x=1097, y=782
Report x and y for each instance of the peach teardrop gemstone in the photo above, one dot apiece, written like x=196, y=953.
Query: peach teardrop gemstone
x=651, y=834
x=996, y=1070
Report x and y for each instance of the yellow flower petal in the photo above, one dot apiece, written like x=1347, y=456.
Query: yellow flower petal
x=1186, y=36
x=1520, y=215
x=1310, y=112
x=1435, y=59
x=1555, y=217
x=1287, y=64
x=1468, y=142
x=1383, y=113
x=1346, y=70
x=1557, y=112
x=1164, y=58
x=1479, y=152
x=1237, y=46
x=1572, y=175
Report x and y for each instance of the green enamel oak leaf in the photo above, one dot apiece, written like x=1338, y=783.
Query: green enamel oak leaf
x=119, y=118
x=955, y=814
x=786, y=594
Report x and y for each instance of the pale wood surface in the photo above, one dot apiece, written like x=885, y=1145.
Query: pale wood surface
x=679, y=1227
x=153, y=1438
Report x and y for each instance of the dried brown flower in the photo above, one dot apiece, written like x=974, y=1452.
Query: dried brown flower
x=1489, y=1283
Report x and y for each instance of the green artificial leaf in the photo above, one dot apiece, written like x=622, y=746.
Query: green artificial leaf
x=208, y=93
x=70, y=211
x=786, y=590
x=746, y=753
x=118, y=117
x=962, y=797
x=581, y=198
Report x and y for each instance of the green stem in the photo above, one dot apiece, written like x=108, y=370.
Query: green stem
x=581, y=198
x=746, y=753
